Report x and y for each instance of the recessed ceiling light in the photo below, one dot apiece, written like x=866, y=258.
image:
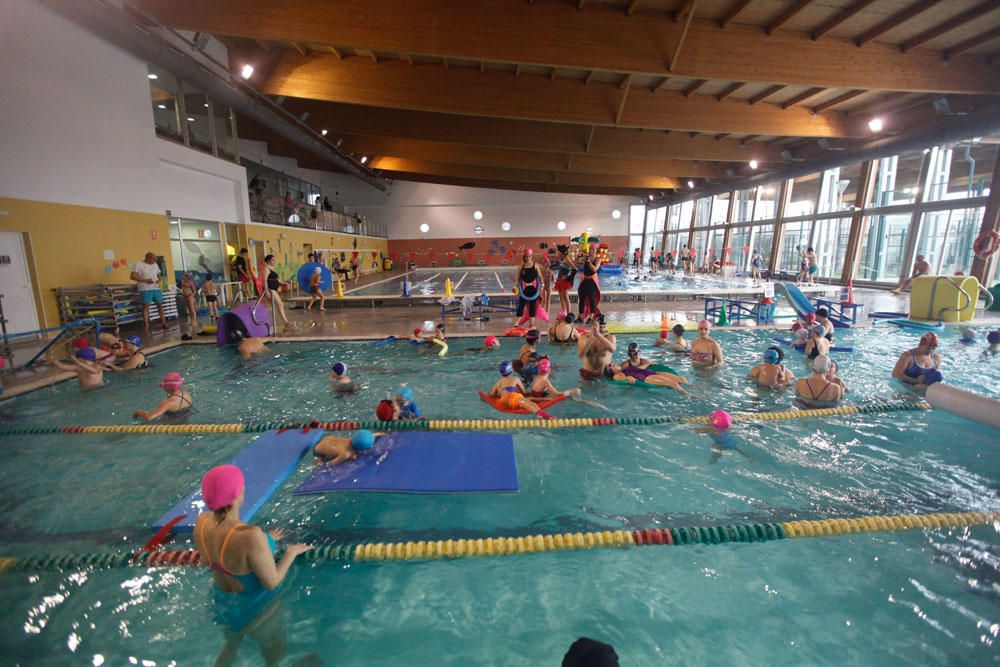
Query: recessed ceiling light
x=561, y=225
x=875, y=125
x=247, y=71
x=477, y=215
x=754, y=164
x=190, y=119
x=650, y=197
x=364, y=159
x=424, y=228
x=323, y=132
x=505, y=226
x=161, y=106
x=691, y=184
x=206, y=105
x=152, y=77
x=616, y=214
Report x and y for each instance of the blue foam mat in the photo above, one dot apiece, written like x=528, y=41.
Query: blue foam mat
x=424, y=462
x=266, y=463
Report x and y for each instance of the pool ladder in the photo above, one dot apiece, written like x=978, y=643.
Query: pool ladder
x=968, y=297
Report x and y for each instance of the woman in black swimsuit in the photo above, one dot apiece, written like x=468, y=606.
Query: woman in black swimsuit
x=273, y=283
x=589, y=291
x=529, y=287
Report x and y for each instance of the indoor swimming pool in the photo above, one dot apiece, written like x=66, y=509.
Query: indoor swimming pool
x=913, y=597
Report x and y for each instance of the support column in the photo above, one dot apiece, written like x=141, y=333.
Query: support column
x=983, y=267
x=728, y=232
x=868, y=172
x=914, y=231
x=694, y=216
x=784, y=194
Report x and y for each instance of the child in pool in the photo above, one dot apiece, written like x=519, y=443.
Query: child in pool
x=89, y=371
x=528, y=348
x=541, y=386
x=177, y=402
x=334, y=449
x=772, y=373
x=511, y=392
x=679, y=343
x=723, y=439
x=408, y=410
x=663, y=340
x=341, y=382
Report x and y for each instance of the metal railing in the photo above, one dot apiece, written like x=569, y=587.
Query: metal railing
x=272, y=210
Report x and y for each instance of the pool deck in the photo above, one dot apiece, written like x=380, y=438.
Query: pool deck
x=374, y=322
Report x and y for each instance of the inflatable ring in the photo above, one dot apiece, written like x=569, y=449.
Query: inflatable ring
x=986, y=244
x=443, y=345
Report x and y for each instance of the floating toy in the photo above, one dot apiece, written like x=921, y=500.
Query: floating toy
x=659, y=368
x=306, y=272
x=542, y=403
x=916, y=326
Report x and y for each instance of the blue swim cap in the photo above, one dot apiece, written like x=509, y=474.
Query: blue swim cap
x=993, y=337
x=932, y=375
x=87, y=354
x=134, y=340
x=339, y=368
x=819, y=329
x=771, y=356
x=362, y=440
x=506, y=368
x=406, y=393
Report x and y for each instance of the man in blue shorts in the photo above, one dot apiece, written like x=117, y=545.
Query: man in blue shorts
x=147, y=274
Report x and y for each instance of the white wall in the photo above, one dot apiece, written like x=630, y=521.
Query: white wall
x=76, y=127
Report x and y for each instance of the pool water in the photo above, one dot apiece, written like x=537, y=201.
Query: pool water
x=924, y=597
x=500, y=280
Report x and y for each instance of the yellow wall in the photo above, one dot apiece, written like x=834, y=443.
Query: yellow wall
x=66, y=245
x=286, y=244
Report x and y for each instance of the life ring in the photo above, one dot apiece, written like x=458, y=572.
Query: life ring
x=987, y=244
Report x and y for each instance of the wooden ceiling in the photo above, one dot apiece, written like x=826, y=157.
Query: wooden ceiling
x=631, y=97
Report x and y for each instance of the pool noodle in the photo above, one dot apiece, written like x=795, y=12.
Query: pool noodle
x=970, y=405
x=266, y=463
x=384, y=341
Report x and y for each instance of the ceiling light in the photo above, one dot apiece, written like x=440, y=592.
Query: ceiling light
x=754, y=164
x=247, y=71
x=477, y=215
x=616, y=214
x=690, y=185
x=207, y=233
x=364, y=159
x=190, y=119
x=478, y=229
x=561, y=225
x=505, y=226
x=161, y=106
x=424, y=228
x=323, y=132
x=152, y=77
x=875, y=125
x=650, y=197
x=206, y=105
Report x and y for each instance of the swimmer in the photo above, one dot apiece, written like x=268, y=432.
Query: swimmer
x=723, y=438
x=341, y=382
x=135, y=358
x=511, y=392
x=177, y=403
x=679, y=343
x=818, y=390
x=772, y=373
x=528, y=348
x=489, y=343
x=968, y=336
x=417, y=337
x=823, y=319
x=211, y=292
x=316, y=290
x=663, y=340
x=817, y=343
x=801, y=335
x=562, y=330
x=636, y=369
x=408, y=410
x=596, y=348
x=241, y=558
x=921, y=365
x=705, y=351
x=89, y=371
x=387, y=411
x=252, y=345
x=993, y=338
x=334, y=450
x=542, y=387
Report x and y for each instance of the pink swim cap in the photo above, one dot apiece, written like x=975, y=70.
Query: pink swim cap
x=544, y=366
x=489, y=341
x=704, y=324
x=528, y=252
x=664, y=333
x=796, y=325
x=172, y=381
x=561, y=315
x=221, y=486
x=720, y=419
x=810, y=318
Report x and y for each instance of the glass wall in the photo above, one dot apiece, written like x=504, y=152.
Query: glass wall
x=883, y=244
x=197, y=246
x=946, y=239
x=184, y=114
x=636, y=226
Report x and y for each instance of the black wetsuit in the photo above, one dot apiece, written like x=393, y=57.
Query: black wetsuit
x=589, y=292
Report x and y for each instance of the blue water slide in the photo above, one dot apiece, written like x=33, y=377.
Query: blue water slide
x=796, y=299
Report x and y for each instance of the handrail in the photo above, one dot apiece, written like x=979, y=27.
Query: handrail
x=958, y=286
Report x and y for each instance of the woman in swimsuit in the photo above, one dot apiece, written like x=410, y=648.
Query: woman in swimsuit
x=273, y=283
x=920, y=366
x=772, y=373
x=636, y=369
x=705, y=351
x=529, y=287
x=511, y=392
x=589, y=291
x=136, y=358
x=241, y=558
x=178, y=402
x=542, y=387
x=819, y=390
x=562, y=330
x=817, y=343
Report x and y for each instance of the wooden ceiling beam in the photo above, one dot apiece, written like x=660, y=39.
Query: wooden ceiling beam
x=957, y=21
x=683, y=36
x=695, y=87
x=764, y=94
x=588, y=79
x=802, y=97
x=301, y=48
x=875, y=105
x=465, y=90
x=729, y=91
x=514, y=134
x=788, y=15
x=972, y=43
x=626, y=83
x=632, y=5
x=840, y=99
x=747, y=139
x=555, y=34
x=734, y=12
x=894, y=21
x=507, y=185
x=658, y=87
x=856, y=8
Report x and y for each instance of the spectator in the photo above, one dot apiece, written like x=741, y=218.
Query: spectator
x=147, y=274
x=289, y=206
x=327, y=206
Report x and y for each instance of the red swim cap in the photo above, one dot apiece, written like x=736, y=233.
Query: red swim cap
x=384, y=411
x=929, y=339
x=80, y=342
x=664, y=333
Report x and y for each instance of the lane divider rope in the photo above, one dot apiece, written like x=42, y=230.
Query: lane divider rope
x=509, y=546
x=871, y=407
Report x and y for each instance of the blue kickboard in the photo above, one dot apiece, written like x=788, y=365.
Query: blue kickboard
x=424, y=462
x=266, y=463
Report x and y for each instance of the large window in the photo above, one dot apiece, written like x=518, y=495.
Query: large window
x=720, y=208
x=897, y=180
x=839, y=188
x=767, y=203
x=794, y=237
x=960, y=171
x=830, y=243
x=743, y=208
x=882, y=247
x=946, y=239
x=636, y=226
x=802, y=200
x=184, y=114
x=197, y=246
x=761, y=238
x=654, y=231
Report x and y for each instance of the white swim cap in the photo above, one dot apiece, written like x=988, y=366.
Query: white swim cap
x=822, y=364
x=801, y=333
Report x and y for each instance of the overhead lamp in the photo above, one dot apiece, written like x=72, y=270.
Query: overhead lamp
x=424, y=228
x=754, y=164
x=875, y=125
x=152, y=77
x=505, y=226
x=323, y=132
x=161, y=106
x=247, y=71
x=561, y=225
x=478, y=229
x=339, y=142
x=616, y=214
x=190, y=119
x=477, y=215
x=364, y=159
x=690, y=185
x=650, y=197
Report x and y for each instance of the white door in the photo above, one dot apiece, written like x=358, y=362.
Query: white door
x=15, y=285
